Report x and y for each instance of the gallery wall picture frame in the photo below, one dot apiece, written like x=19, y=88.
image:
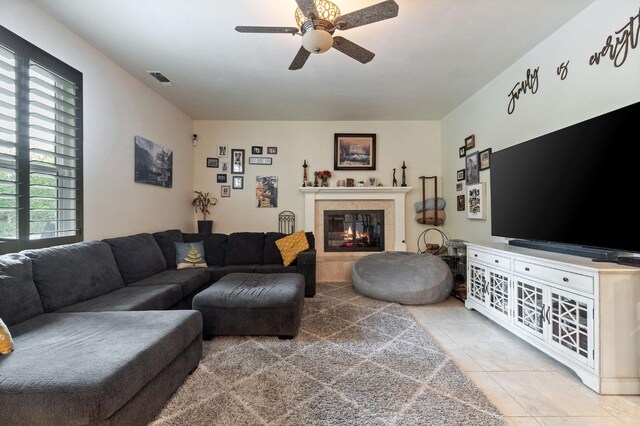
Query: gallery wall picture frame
x=256, y=150
x=459, y=186
x=272, y=150
x=237, y=161
x=237, y=182
x=472, y=168
x=485, y=159
x=460, y=203
x=460, y=175
x=354, y=151
x=213, y=163
x=470, y=142
x=261, y=161
x=476, y=202
x=462, y=152
x=225, y=167
x=225, y=190
x=222, y=151
x=221, y=178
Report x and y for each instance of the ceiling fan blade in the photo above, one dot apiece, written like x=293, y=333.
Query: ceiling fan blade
x=368, y=15
x=300, y=59
x=273, y=30
x=308, y=7
x=351, y=49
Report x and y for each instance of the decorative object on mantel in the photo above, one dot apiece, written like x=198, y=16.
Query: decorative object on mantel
x=267, y=191
x=626, y=39
x=354, y=151
x=351, y=183
x=404, y=174
x=529, y=83
x=201, y=203
x=304, y=175
x=153, y=163
x=430, y=211
x=432, y=248
x=473, y=168
x=286, y=222
x=469, y=143
x=476, y=202
x=395, y=181
x=485, y=159
x=563, y=70
x=323, y=175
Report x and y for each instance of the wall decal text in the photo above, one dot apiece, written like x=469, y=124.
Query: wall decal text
x=563, y=70
x=530, y=83
x=626, y=39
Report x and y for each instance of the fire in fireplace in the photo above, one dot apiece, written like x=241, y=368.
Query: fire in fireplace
x=353, y=230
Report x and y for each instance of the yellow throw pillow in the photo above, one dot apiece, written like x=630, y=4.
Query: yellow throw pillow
x=6, y=343
x=291, y=245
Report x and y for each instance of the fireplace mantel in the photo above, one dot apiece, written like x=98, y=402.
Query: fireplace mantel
x=395, y=194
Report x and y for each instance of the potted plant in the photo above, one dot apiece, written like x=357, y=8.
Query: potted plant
x=201, y=204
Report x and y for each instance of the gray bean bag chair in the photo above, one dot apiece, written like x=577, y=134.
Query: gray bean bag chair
x=407, y=278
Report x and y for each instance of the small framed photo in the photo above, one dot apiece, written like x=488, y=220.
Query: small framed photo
x=458, y=186
x=460, y=175
x=225, y=166
x=462, y=152
x=485, y=159
x=272, y=150
x=469, y=142
x=256, y=150
x=261, y=161
x=212, y=162
x=222, y=151
x=237, y=161
x=373, y=181
x=221, y=178
x=354, y=151
x=238, y=182
x=472, y=168
x=460, y=203
x=476, y=202
x=225, y=191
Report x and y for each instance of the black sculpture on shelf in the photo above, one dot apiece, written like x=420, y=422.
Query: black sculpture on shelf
x=404, y=174
x=304, y=177
x=395, y=181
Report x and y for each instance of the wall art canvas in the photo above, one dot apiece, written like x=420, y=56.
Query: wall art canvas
x=237, y=156
x=485, y=159
x=266, y=191
x=476, y=202
x=472, y=169
x=354, y=151
x=153, y=163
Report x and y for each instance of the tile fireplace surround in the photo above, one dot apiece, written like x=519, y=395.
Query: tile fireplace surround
x=336, y=267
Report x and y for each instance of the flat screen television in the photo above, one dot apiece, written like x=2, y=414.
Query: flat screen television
x=577, y=185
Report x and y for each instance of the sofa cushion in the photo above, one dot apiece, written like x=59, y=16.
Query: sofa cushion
x=271, y=253
x=291, y=245
x=190, y=255
x=72, y=273
x=6, y=343
x=166, y=241
x=190, y=280
x=52, y=379
x=148, y=298
x=137, y=256
x=19, y=298
x=245, y=248
x=214, y=246
x=218, y=272
x=276, y=268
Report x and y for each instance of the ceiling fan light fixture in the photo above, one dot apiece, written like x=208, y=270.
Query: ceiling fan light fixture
x=326, y=10
x=317, y=41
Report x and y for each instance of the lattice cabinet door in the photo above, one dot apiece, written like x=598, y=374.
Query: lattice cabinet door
x=571, y=328
x=477, y=282
x=497, y=296
x=529, y=307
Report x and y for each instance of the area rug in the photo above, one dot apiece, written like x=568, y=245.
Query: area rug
x=356, y=361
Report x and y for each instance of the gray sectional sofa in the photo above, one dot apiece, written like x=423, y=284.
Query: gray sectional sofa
x=99, y=334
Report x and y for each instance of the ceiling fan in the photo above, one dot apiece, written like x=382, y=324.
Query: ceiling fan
x=317, y=21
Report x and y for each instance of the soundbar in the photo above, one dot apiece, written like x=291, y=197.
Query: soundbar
x=600, y=254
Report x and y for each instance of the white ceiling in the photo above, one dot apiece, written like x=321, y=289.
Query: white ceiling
x=429, y=59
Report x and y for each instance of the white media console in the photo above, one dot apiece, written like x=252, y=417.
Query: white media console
x=582, y=313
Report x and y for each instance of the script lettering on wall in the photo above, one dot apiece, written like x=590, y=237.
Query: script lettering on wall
x=563, y=70
x=626, y=39
x=530, y=83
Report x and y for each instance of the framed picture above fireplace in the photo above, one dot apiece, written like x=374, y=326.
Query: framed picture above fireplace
x=354, y=151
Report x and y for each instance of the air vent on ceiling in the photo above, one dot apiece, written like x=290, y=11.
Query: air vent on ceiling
x=160, y=77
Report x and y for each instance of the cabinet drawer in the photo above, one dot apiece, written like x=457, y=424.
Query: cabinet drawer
x=489, y=258
x=559, y=277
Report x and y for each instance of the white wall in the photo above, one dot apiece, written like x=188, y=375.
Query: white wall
x=588, y=91
x=418, y=143
x=116, y=108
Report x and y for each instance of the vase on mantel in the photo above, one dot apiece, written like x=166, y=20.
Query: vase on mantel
x=325, y=182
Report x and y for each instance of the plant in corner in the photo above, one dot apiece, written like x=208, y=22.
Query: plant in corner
x=201, y=204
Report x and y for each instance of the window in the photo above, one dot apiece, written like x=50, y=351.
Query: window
x=40, y=147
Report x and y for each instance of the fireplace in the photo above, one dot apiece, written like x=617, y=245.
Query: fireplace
x=353, y=230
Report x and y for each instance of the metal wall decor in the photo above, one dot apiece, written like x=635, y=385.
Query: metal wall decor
x=563, y=70
x=529, y=84
x=618, y=45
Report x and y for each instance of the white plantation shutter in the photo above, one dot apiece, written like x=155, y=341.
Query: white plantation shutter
x=8, y=146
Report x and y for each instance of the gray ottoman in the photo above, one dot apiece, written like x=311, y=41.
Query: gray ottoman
x=242, y=304
x=407, y=278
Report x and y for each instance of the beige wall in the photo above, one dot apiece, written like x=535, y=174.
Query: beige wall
x=116, y=108
x=418, y=143
x=588, y=91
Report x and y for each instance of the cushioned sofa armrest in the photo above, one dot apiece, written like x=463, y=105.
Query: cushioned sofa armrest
x=306, y=262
